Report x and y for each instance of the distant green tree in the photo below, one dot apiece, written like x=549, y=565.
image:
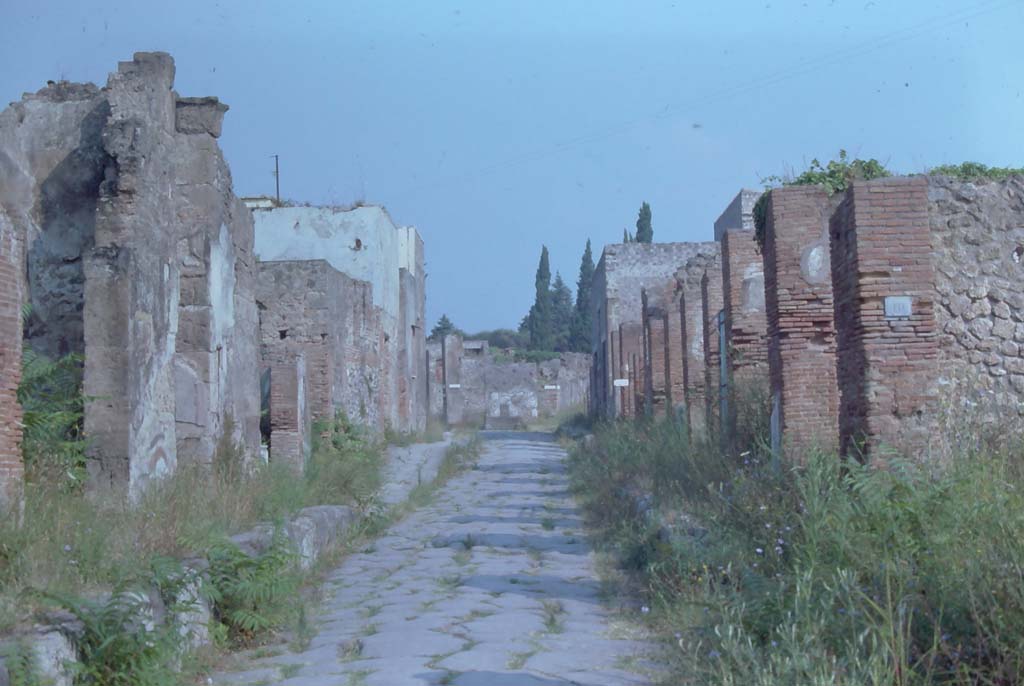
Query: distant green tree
x=541, y=321
x=562, y=315
x=443, y=327
x=644, y=230
x=625, y=236
x=581, y=318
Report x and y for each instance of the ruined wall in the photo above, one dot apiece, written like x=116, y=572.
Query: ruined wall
x=690, y=281
x=661, y=368
x=412, y=386
x=630, y=350
x=487, y=388
x=739, y=215
x=743, y=302
x=365, y=244
x=884, y=287
x=801, y=330
x=12, y=287
x=712, y=300
x=308, y=307
x=140, y=255
x=622, y=273
x=977, y=248
x=291, y=431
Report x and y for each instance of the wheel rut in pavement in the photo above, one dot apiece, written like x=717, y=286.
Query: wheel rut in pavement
x=491, y=584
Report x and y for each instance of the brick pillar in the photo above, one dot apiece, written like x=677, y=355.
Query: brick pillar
x=746, y=325
x=883, y=281
x=657, y=363
x=12, y=286
x=631, y=351
x=711, y=304
x=691, y=334
x=801, y=331
x=290, y=416
x=743, y=301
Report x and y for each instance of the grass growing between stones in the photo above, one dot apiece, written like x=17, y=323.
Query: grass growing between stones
x=830, y=572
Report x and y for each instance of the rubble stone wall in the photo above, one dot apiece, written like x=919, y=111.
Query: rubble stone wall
x=977, y=248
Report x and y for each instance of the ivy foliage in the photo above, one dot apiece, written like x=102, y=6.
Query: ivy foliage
x=834, y=177
x=972, y=171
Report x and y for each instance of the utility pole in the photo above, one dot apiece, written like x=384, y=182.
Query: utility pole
x=276, y=177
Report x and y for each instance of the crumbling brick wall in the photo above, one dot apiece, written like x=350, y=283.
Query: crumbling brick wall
x=290, y=416
x=801, y=331
x=657, y=359
x=689, y=282
x=884, y=289
x=12, y=287
x=622, y=273
x=712, y=300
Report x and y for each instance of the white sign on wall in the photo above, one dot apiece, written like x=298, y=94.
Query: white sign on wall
x=621, y=383
x=454, y=385
x=552, y=388
x=897, y=306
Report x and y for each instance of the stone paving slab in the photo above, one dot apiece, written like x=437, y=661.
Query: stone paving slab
x=493, y=583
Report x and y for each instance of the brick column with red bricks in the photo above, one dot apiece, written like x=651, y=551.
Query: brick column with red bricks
x=12, y=286
x=801, y=331
x=883, y=281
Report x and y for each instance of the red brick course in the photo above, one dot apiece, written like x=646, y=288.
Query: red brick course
x=711, y=304
x=881, y=247
x=12, y=285
x=801, y=331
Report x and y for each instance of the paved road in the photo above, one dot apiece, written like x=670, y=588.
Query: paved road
x=493, y=584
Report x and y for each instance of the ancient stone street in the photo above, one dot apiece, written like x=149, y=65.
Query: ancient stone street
x=491, y=584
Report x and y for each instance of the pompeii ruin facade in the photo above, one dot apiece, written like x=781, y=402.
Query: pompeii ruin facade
x=121, y=241
x=468, y=386
x=344, y=290
x=138, y=256
x=883, y=319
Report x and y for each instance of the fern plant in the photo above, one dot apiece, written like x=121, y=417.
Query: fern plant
x=22, y=669
x=249, y=594
x=120, y=644
x=51, y=397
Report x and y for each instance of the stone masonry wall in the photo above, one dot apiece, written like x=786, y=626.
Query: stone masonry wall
x=139, y=255
x=801, y=331
x=12, y=287
x=622, y=273
x=977, y=248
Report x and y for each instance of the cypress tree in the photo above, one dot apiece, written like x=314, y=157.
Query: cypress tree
x=582, y=321
x=541, y=324
x=561, y=315
x=644, y=230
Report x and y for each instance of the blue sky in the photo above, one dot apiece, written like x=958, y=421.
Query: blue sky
x=497, y=126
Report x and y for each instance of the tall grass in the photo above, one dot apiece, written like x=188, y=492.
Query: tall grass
x=830, y=573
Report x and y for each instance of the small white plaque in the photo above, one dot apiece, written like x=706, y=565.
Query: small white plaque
x=454, y=385
x=621, y=383
x=897, y=306
x=552, y=388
